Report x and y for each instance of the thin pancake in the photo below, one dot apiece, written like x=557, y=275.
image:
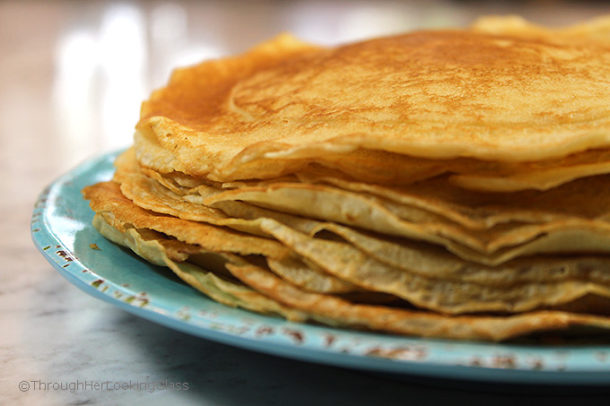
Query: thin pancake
x=597, y=29
x=284, y=299
x=412, y=322
x=424, y=94
x=362, y=211
x=219, y=289
x=347, y=263
x=587, y=198
x=385, y=168
x=193, y=237
x=150, y=195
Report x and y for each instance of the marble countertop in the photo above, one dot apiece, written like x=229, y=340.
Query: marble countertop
x=72, y=75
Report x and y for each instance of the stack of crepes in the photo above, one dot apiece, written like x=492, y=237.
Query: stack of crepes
x=450, y=183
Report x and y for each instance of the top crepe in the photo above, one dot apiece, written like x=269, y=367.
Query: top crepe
x=428, y=94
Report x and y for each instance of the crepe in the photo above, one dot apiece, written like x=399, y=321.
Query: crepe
x=423, y=94
x=432, y=200
x=331, y=310
x=226, y=292
x=347, y=267
x=448, y=183
x=107, y=199
x=361, y=211
x=597, y=29
x=494, y=247
x=413, y=256
x=583, y=199
x=385, y=168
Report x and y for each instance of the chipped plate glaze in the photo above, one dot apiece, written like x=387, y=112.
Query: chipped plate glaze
x=62, y=231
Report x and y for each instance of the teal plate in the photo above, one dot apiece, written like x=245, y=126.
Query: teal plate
x=62, y=231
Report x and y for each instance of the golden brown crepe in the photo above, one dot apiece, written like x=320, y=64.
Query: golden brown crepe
x=449, y=183
x=428, y=94
x=283, y=299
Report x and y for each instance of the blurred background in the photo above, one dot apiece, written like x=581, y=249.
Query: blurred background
x=72, y=76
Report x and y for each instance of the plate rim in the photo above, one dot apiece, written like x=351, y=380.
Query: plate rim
x=43, y=235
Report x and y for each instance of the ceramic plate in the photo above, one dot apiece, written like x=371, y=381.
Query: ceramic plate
x=62, y=231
